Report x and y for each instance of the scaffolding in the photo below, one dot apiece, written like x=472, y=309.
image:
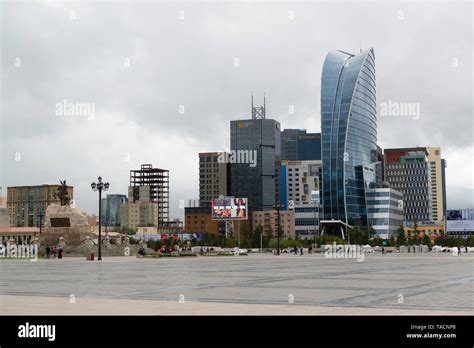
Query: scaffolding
x=158, y=181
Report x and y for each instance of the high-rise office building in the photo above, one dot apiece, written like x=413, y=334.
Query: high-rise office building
x=111, y=209
x=380, y=159
x=349, y=137
x=289, y=144
x=438, y=182
x=257, y=138
x=213, y=178
x=27, y=204
x=385, y=211
x=408, y=171
x=419, y=173
x=297, y=145
x=300, y=193
x=309, y=147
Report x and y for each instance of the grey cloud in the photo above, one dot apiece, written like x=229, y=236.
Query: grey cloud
x=190, y=62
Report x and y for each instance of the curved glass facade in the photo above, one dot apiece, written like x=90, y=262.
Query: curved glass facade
x=349, y=134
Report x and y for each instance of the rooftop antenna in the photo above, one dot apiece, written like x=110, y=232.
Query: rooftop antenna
x=264, y=107
x=258, y=112
x=360, y=44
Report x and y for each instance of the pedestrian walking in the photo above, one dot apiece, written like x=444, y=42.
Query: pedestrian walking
x=48, y=252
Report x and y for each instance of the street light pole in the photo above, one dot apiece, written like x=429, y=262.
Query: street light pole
x=99, y=258
x=41, y=214
x=99, y=186
x=278, y=206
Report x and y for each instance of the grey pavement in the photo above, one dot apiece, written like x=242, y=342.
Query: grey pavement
x=395, y=283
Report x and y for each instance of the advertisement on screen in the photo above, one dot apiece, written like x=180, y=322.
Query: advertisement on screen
x=229, y=208
x=461, y=220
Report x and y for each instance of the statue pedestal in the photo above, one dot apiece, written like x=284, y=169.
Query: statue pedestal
x=64, y=221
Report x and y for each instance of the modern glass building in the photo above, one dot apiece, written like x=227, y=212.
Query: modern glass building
x=289, y=143
x=258, y=182
x=309, y=147
x=385, y=211
x=297, y=145
x=111, y=209
x=349, y=135
x=409, y=171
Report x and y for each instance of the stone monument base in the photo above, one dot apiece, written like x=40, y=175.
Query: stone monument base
x=63, y=221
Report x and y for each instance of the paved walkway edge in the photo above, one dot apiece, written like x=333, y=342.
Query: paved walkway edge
x=39, y=305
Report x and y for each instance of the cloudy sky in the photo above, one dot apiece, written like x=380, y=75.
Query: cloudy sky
x=141, y=63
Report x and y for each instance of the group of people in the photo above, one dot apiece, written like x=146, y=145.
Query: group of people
x=299, y=250
x=141, y=252
x=165, y=249
x=54, y=251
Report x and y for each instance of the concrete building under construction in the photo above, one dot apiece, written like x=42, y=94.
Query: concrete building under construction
x=151, y=185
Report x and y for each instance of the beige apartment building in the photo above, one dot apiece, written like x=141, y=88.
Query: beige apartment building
x=438, y=182
x=134, y=214
x=212, y=178
x=26, y=204
x=4, y=217
x=269, y=222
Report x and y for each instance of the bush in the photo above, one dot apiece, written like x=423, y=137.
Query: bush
x=376, y=242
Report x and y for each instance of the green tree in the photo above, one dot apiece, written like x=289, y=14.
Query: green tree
x=208, y=240
x=426, y=240
x=371, y=232
x=416, y=232
x=256, y=237
x=360, y=235
x=127, y=230
x=376, y=241
x=401, y=239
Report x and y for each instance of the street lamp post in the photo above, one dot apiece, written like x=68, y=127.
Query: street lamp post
x=316, y=219
x=100, y=186
x=278, y=207
x=41, y=214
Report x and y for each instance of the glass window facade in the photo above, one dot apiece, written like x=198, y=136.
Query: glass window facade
x=349, y=134
x=259, y=183
x=309, y=146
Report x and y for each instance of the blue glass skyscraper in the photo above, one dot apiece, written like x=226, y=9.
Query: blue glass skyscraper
x=349, y=135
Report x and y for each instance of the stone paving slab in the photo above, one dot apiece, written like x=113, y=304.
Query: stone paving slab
x=33, y=305
x=428, y=283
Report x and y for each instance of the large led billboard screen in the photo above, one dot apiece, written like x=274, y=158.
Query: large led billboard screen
x=229, y=208
x=460, y=220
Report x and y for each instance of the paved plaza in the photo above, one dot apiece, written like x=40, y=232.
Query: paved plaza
x=255, y=284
